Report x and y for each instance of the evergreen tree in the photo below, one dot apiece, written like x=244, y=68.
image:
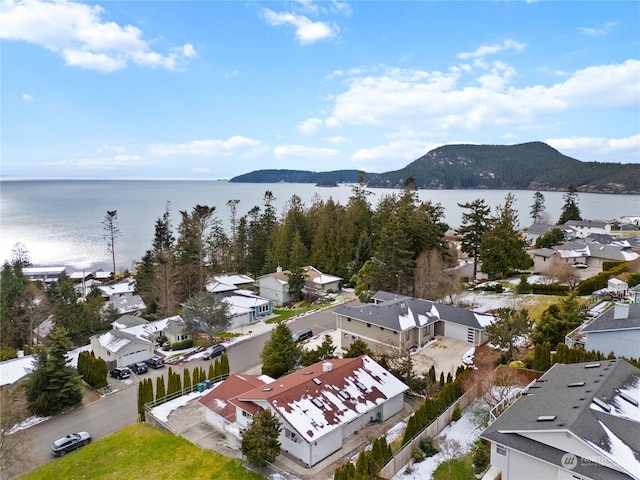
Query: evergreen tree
x=260, y=442
x=558, y=320
x=187, y=380
x=502, y=247
x=211, y=374
x=53, y=385
x=537, y=208
x=111, y=232
x=206, y=313
x=549, y=239
x=570, y=209
x=280, y=353
x=510, y=324
x=160, y=389
x=225, y=368
x=358, y=347
x=474, y=225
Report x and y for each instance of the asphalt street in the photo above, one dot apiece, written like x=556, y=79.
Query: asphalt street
x=119, y=409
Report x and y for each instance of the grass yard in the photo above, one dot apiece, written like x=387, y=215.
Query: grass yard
x=460, y=470
x=141, y=451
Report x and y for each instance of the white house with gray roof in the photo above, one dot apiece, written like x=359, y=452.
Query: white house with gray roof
x=617, y=330
x=405, y=322
x=584, y=228
x=578, y=421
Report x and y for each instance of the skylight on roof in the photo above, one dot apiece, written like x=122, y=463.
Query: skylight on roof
x=317, y=402
x=576, y=384
x=361, y=386
x=317, y=381
x=628, y=398
x=344, y=394
x=546, y=418
x=268, y=389
x=592, y=365
x=601, y=404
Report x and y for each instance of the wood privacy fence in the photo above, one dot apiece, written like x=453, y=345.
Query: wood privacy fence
x=404, y=455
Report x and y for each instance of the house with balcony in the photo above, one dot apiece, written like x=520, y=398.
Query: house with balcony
x=275, y=286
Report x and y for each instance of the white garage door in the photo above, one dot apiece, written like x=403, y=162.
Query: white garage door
x=135, y=357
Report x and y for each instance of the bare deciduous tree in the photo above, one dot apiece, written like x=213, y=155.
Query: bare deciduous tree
x=432, y=280
x=14, y=442
x=449, y=448
x=562, y=272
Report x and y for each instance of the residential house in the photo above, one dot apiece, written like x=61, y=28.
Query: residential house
x=586, y=227
x=406, y=322
x=275, y=286
x=133, y=339
x=590, y=253
x=538, y=230
x=124, y=289
x=319, y=406
x=237, y=280
x=634, y=294
x=617, y=330
x=578, y=421
x=14, y=370
x=245, y=307
x=44, y=274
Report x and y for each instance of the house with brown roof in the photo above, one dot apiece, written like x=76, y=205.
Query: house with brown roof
x=319, y=406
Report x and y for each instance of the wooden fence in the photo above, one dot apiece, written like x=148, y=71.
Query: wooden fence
x=405, y=454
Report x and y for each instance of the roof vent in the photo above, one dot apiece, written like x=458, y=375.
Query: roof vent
x=327, y=366
x=576, y=384
x=267, y=389
x=592, y=365
x=546, y=418
x=601, y=404
x=621, y=311
x=310, y=372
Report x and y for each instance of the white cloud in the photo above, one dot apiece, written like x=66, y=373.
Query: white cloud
x=485, y=50
x=397, y=151
x=598, y=32
x=117, y=161
x=307, y=31
x=341, y=7
x=110, y=148
x=309, y=126
x=77, y=33
x=306, y=153
x=338, y=139
x=458, y=100
x=589, y=147
x=231, y=74
x=236, y=145
x=27, y=97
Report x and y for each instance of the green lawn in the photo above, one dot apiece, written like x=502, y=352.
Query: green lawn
x=141, y=451
x=460, y=470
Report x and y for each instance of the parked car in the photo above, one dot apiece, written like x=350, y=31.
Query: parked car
x=139, y=368
x=120, y=373
x=214, y=351
x=303, y=334
x=155, y=362
x=580, y=265
x=70, y=442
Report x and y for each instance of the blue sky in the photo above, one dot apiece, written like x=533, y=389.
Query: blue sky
x=211, y=89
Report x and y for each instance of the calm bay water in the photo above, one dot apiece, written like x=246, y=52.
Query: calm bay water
x=60, y=221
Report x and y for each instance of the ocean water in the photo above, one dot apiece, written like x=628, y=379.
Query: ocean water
x=60, y=221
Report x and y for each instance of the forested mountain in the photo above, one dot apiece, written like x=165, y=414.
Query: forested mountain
x=527, y=166
x=301, y=176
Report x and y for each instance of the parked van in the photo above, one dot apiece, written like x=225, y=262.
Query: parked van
x=303, y=334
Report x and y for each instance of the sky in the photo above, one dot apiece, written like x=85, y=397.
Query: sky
x=215, y=89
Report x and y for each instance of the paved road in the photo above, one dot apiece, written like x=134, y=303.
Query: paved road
x=119, y=409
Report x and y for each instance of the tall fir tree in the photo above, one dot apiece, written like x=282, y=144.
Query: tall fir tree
x=570, y=209
x=474, y=224
x=537, y=208
x=280, y=353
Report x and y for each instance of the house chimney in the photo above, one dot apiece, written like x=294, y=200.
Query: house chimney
x=327, y=366
x=621, y=311
x=278, y=268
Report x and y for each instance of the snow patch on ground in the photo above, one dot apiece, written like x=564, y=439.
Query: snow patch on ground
x=29, y=422
x=396, y=431
x=467, y=358
x=465, y=431
x=162, y=412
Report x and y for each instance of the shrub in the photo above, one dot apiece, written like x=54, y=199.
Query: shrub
x=426, y=445
x=182, y=345
x=480, y=456
x=418, y=455
x=456, y=414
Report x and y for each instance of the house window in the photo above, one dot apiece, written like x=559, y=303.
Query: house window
x=246, y=414
x=501, y=450
x=426, y=330
x=348, y=319
x=368, y=325
x=293, y=436
x=407, y=335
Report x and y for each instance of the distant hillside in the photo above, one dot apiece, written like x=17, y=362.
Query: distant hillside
x=528, y=166
x=302, y=176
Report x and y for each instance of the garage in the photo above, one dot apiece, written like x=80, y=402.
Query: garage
x=135, y=357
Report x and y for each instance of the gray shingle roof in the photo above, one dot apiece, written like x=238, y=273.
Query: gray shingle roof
x=408, y=312
x=607, y=322
x=575, y=410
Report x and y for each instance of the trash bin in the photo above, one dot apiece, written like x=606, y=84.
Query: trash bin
x=200, y=387
x=207, y=384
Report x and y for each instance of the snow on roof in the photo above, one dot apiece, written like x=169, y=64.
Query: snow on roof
x=118, y=288
x=113, y=342
x=618, y=452
x=234, y=279
x=406, y=320
x=315, y=402
x=219, y=287
x=15, y=369
x=484, y=319
x=622, y=406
